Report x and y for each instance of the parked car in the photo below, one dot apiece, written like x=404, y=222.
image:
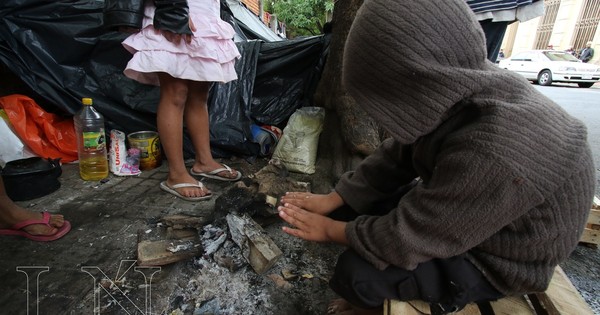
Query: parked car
x=547, y=66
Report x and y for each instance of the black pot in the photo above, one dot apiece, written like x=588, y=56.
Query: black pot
x=31, y=178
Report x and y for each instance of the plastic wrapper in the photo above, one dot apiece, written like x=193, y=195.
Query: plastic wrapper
x=122, y=162
x=46, y=134
x=11, y=147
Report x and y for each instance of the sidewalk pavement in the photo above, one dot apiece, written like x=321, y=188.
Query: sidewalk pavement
x=107, y=219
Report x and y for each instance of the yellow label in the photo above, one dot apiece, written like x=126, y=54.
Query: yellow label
x=94, y=140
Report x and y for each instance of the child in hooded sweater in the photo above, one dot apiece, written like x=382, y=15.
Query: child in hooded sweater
x=483, y=187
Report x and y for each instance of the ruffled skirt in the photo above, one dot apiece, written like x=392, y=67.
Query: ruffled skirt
x=209, y=57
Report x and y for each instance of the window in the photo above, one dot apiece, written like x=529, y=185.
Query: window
x=559, y=56
x=586, y=26
x=544, y=30
x=530, y=57
x=518, y=57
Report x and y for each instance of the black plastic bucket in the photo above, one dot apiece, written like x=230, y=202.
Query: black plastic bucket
x=31, y=178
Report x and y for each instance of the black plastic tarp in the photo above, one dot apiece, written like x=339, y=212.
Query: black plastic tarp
x=286, y=78
x=60, y=50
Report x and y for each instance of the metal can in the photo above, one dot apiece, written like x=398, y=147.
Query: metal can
x=149, y=145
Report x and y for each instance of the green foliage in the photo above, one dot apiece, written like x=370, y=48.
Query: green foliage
x=302, y=17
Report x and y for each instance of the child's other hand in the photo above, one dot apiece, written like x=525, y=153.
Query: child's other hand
x=128, y=29
x=176, y=38
x=316, y=203
x=311, y=226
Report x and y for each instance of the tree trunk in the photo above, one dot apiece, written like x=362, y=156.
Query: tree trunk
x=349, y=133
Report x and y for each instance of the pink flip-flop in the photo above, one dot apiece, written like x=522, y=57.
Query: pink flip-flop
x=17, y=229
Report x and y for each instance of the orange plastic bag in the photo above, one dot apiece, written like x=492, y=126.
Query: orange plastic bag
x=46, y=134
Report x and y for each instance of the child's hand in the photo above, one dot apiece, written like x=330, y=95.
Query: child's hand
x=316, y=203
x=176, y=38
x=311, y=226
x=127, y=29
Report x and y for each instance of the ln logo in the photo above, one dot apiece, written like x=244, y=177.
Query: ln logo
x=33, y=273
x=99, y=277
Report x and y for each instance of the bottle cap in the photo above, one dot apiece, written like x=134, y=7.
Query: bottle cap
x=86, y=101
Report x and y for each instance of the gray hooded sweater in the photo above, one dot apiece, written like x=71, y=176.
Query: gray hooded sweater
x=506, y=175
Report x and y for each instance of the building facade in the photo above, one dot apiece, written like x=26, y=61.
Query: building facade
x=565, y=24
x=270, y=20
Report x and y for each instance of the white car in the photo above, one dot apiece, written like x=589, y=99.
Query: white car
x=547, y=66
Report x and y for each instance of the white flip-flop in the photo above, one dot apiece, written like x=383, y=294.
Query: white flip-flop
x=213, y=174
x=171, y=189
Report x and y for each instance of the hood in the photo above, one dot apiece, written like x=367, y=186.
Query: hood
x=407, y=63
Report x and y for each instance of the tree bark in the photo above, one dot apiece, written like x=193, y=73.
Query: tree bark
x=349, y=134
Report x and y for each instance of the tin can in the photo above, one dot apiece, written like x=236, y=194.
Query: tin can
x=149, y=145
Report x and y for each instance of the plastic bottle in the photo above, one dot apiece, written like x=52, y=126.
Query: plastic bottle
x=91, y=142
x=264, y=139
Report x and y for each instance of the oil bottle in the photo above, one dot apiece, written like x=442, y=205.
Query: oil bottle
x=91, y=142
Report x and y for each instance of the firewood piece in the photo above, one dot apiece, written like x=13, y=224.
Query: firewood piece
x=182, y=234
x=178, y=221
x=159, y=253
x=257, y=247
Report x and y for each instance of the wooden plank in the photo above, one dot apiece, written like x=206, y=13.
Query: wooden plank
x=506, y=306
x=565, y=296
x=162, y=252
x=590, y=236
x=395, y=307
x=594, y=217
x=561, y=297
x=513, y=305
x=591, y=233
x=542, y=304
x=596, y=203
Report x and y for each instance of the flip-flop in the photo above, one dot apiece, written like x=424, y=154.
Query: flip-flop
x=214, y=174
x=171, y=189
x=17, y=229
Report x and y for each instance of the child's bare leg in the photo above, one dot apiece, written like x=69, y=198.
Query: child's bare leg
x=197, y=123
x=11, y=214
x=173, y=95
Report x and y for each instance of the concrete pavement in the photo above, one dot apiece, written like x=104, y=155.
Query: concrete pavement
x=107, y=220
x=93, y=270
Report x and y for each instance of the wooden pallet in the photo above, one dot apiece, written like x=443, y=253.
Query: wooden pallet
x=591, y=233
x=561, y=298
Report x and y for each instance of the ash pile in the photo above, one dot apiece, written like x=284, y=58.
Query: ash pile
x=238, y=260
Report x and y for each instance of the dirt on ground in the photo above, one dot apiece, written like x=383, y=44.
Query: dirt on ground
x=94, y=268
x=221, y=281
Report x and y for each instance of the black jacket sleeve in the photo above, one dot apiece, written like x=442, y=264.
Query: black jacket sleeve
x=172, y=15
x=120, y=13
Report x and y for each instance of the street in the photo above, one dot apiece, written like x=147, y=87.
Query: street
x=582, y=266
x=584, y=104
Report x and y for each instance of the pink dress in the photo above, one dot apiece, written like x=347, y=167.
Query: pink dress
x=209, y=57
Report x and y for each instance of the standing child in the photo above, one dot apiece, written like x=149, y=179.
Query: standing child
x=183, y=46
